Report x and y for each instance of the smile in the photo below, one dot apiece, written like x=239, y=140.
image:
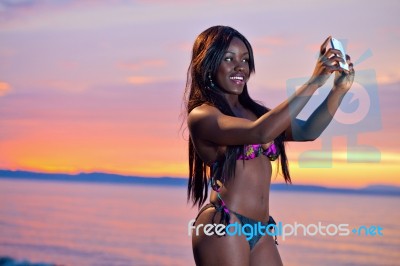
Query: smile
x=237, y=79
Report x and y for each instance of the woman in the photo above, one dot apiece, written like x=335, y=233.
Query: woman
x=233, y=140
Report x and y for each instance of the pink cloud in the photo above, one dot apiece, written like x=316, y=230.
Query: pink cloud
x=313, y=47
x=69, y=64
x=142, y=64
x=263, y=45
x=13, y=11
x=389, y=32
x=182, y=46
x=7, y=52
x=271, y=41
x=60, y=85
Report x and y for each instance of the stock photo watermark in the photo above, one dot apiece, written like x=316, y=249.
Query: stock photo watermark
x=283, y=230
x=358, y=113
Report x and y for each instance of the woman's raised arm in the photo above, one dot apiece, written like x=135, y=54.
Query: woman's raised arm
x=313, y=127
x=209, y=124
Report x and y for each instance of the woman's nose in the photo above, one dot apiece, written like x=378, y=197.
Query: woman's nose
x=240, y=66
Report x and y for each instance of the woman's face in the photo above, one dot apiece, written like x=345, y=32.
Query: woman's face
x=233, y=72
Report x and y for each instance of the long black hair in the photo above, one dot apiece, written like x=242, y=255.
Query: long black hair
x=208, y=51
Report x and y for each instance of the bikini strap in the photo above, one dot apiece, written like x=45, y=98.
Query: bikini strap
x=225, y=216
x=272, y=221
x=272, y=152
x=222, y=208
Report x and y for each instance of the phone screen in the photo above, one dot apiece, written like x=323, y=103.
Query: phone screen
x=338, y=45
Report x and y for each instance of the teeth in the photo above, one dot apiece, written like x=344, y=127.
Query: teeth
x=237, y=78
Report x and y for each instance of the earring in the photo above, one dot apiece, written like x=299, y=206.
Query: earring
x=211, y=81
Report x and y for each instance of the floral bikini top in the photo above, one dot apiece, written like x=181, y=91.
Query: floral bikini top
x=254, y=150
x=250, y=152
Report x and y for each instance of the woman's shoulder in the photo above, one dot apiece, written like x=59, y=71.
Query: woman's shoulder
x=202, y=112
x=205, y=108
x=202, y=118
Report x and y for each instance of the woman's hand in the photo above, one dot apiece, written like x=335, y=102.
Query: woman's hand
x=328, y=62
x=344, y=79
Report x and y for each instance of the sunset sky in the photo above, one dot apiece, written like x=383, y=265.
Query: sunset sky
x=98, y=85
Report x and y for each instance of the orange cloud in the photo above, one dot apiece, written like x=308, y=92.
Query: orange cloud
x=119, y=130
x=141, y=79
x=382, y=167
x=388, y=78
x=4, y=88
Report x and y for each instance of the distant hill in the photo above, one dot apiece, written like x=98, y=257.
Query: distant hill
x=173, y=181
x=93, y=177
x=370, y=190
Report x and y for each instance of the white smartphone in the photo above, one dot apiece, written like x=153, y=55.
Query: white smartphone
x=338, y=45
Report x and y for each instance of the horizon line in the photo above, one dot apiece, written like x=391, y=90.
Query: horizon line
x=183, y=178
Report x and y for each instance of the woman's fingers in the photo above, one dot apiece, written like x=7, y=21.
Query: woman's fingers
x=333, y=68
x=333, y=60
x=352, y=72
x=329, y=62
x=324, y=45
x=332, y=51
x=348, y=60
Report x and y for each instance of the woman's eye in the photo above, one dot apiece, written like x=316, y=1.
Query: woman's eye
x=229, y=59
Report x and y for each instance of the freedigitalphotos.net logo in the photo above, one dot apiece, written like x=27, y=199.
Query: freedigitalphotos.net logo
x=283, y=230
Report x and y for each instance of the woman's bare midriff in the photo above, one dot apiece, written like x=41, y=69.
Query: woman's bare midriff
x=248, y=192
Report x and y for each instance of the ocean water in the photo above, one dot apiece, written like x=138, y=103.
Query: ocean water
x=116, y=224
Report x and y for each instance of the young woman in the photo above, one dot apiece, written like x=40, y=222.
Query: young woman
x=233, y=140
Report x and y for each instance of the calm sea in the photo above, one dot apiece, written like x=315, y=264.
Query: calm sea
x=116, y=224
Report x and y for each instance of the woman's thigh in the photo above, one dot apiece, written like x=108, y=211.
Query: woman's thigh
x=218, y=250
x=265, y=252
